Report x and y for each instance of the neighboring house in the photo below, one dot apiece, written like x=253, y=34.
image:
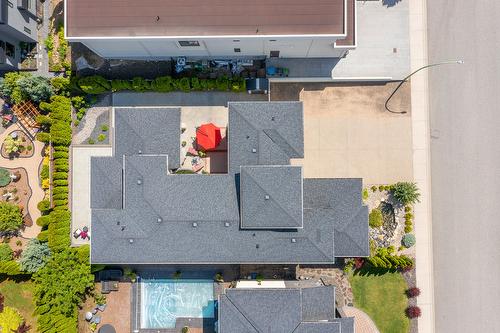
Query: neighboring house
x=308, y=310
x=18, y=24
x=261, y=211
x=161, y=29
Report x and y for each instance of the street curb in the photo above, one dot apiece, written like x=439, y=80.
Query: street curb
x=421, y=165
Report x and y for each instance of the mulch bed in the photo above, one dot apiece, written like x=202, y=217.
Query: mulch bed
x=21, y=193
x=411, y=280
x=25, y=143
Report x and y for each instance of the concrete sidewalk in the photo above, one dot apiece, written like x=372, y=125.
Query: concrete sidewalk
x=421, y=164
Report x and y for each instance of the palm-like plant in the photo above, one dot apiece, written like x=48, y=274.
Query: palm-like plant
x=406, y=193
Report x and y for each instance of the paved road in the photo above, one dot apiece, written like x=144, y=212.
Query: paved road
x=465, y=152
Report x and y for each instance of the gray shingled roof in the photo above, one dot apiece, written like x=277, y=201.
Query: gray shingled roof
x=271, y=197
x=149, y=131
x=265, y=133
x=308, y=310
x=342, y=202
x=142, y=214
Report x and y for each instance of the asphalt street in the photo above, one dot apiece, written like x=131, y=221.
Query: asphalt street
x=465, y=154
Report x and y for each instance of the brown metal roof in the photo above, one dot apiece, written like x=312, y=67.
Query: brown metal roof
x=101, y=18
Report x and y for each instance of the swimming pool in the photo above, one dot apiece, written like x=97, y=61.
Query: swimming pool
x=163, y=301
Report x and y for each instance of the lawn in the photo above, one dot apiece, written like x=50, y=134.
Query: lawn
x=18, y=294
x=383, y=298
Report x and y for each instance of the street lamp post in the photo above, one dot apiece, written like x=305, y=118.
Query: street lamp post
x=418, y=70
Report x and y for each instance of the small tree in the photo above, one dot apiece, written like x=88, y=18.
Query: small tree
x=35, y=88
x=35, y=256
x=10, y=217
x=406, y=193
x=375, y=219
x=5, y=252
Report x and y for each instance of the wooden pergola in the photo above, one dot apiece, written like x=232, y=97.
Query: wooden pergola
x=26, y=113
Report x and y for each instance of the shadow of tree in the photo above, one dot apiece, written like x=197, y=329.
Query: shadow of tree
x=368, y=271
x=390, y=3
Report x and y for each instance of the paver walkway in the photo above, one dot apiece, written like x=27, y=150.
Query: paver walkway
x=31, y=164
x=362, y=322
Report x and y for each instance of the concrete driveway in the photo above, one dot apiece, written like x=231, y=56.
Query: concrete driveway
x=348, y=133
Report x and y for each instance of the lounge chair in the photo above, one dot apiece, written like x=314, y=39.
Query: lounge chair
x=101, y=307
x=109, y=286
x=96, y=320
x=77, y=233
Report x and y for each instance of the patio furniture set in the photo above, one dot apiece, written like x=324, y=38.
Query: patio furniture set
x=82, y=233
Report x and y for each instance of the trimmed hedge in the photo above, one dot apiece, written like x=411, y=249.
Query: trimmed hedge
x=43, y=221
x=98, y=85
x=60, y=182
x=60, y=175
x=59, y=230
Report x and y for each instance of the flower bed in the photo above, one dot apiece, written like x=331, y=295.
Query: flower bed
x=17, y=144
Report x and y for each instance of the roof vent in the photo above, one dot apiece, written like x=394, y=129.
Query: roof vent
x=159, y=220
x=140, y=152
x=248, y=136
x=139, y=181
x=123, y=228
x=195, y=224
x=272, y=118
x=130, y=240
x=117, y=222
x=266, y=197
x=227, y=224
x=294, y=240
x=257, y=246
x=254, y=150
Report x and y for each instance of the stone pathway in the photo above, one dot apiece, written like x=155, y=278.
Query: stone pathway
x=31, y=164
x=330, y=276
x=90, y=122
x=362, y=322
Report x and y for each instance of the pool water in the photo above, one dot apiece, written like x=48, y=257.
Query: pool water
x=163, y=301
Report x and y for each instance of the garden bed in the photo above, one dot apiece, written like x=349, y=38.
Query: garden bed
x=20, y=193
x=21, y=141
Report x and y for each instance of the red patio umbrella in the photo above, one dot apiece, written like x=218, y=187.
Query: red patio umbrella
x=208, y=136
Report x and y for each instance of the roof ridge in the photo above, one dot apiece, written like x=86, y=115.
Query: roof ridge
x=243, y=314
x=288, y=147
x=273, y=200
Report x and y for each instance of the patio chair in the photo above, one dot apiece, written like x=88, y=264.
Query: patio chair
x=96, y=320
x=77, y=233
x=109, y=286
x=198, y=167
x=101, y=307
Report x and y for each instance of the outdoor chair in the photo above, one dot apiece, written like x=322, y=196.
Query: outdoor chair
x=101, y=307
x=77, y=233
x=192, y=151
x=198, y=167
x=96, y=320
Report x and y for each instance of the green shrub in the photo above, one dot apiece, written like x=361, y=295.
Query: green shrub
x=43, y=137
x=90, y=141
x=34, y=88
x=43, y=221
x=78, y=102
x=365, y=194
x=222, y=83
x=104, y=128
x=94, y=84
x=406, y=193
x=60, y=154
x=44, y=206
x=386, y=259
x=10, y=319
x=408, y=240
x=185, y=329
x=408, y=228
x=5, y=252
x=60, y=182
x=49, y=43
x=60, y=196
x=407, y=209
x=62, y=168
x=60, y=203
x=60, y=84
x=139, y=84
x=101, y=137
x=374, y=188
x=408, y=216
x=183, y=85
x=44, y=121
x=195, y=84
x=163, y=84
x=375, y=219
x=4, y=177
x=10, y=268
x=61, y=148
x=60, y=175
x=35, y=256
x=60, y=189
x=119, y=85
x=10, y=217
